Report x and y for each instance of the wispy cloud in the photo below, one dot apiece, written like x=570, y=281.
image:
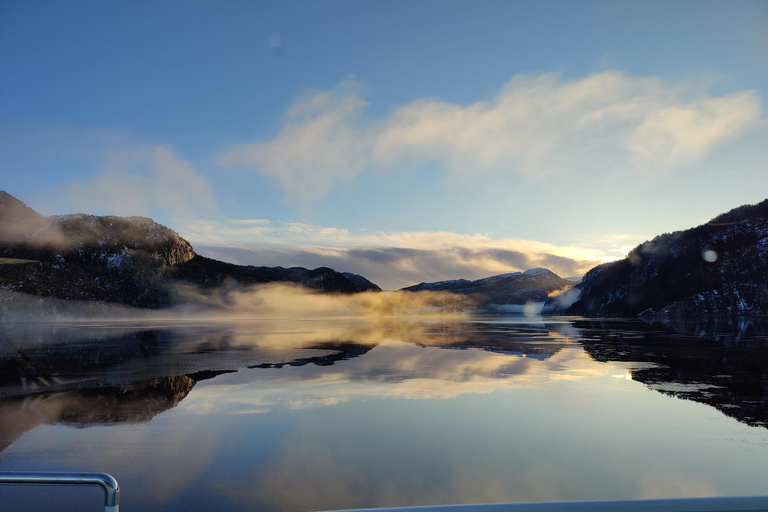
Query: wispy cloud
x=319, y=145
x=535, y=126
x=234, y=233
x=141, y=181
x=395, y=267
x=390, y=259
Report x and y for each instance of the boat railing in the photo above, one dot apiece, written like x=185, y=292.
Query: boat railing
x=103, y=480
x=718, y=504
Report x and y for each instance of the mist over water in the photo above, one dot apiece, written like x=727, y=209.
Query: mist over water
x=234, y=301
x=278, y=300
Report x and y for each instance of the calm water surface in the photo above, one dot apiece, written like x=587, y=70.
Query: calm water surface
x=313, y=415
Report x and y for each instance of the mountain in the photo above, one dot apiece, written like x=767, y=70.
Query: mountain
x=210, y=273
x=719, y=268
x=126, y=260
x=513, y=288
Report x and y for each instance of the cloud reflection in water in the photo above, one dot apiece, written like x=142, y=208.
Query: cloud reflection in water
x=371, y=412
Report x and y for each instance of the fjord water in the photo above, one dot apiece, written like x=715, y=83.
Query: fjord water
x=314, y=415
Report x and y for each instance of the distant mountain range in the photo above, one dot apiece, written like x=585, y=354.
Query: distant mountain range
x=717, y=269
x=125, y=260
x=517, y=288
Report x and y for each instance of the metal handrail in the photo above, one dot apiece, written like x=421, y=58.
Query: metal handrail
x=103, y=480
x=720, y=504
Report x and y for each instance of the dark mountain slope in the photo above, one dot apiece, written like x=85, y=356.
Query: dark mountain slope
x=208, y=272
x=719, y=268
x=515, y=288
x=126, y=260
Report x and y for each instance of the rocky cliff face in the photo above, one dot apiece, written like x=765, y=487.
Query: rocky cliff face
x=719, y=268
x=114, y=242
x=514, y=288
x=85, y=257
x=126, y=260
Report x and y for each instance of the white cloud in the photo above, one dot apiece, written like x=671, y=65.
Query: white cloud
x=157, y=179
x=392, y=259
x=535, y=126
x=320, y=144
x=239, y=233
x=251, y=222
x=678, y=133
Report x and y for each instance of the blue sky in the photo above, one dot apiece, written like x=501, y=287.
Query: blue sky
x=406, y=141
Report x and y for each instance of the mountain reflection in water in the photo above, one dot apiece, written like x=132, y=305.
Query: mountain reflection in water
x=113, y=375
x=724, y=366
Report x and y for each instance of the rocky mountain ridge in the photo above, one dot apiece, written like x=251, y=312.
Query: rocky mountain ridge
x=125, y=260
x=717, y=269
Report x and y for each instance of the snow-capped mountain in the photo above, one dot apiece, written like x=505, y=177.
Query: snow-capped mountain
x=513, y=288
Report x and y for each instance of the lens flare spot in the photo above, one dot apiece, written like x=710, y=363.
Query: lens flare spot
x=709, y=255
x=532, y=309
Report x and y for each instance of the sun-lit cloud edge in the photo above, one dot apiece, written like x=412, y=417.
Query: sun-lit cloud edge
x=144, y=179
x=395, y=259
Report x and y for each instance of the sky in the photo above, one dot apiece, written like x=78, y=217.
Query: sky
x=405, y=141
